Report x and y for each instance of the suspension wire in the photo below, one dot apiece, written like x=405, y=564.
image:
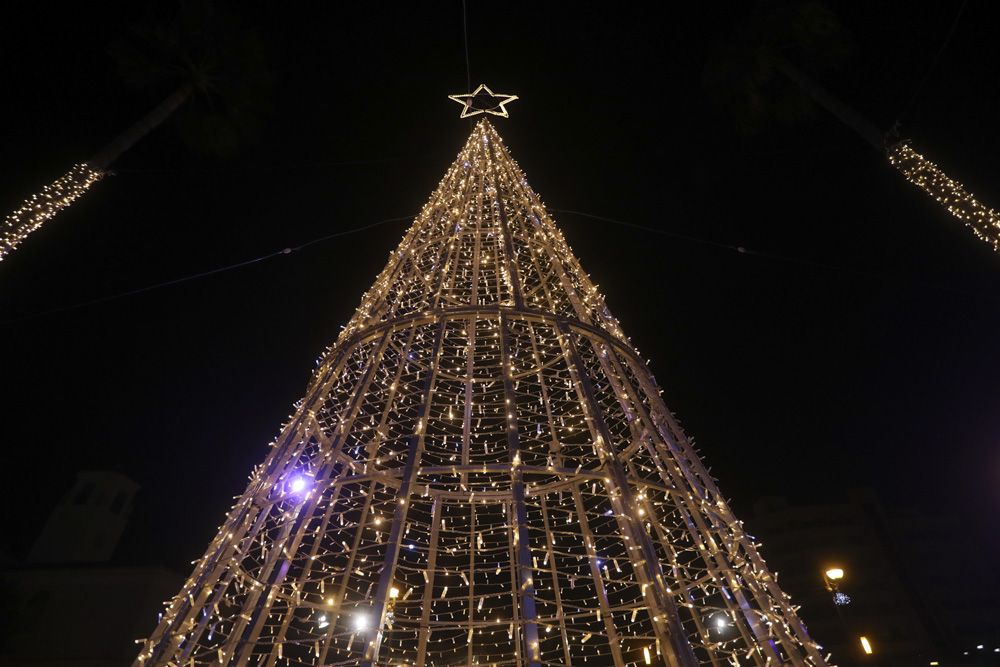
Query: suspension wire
x=203, y=274
x=654, y=230
x=930, y=69
x=269, y=167
x=742, y=250
x=465, y=34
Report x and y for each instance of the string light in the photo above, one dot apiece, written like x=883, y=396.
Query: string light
x=841, y=599
x=982, y=220
x=489, y=464
x=41, y=207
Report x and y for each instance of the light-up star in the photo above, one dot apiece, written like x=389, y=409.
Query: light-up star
x=483, y=100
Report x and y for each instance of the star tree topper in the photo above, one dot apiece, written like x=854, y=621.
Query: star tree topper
x=483, y=100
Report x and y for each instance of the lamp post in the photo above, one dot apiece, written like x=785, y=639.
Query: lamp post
x=832, y=578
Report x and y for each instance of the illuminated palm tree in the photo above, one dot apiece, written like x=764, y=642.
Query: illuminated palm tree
x=759, y=74
x=217, y=76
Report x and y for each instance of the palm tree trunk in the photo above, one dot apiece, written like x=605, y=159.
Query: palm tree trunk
x=141, y=128
x=40, y=207
x=845, y=114
x=918, y=170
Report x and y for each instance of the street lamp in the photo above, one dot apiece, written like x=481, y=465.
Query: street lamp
x=832, y=579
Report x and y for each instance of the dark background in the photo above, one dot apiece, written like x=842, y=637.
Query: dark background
x=857, y=345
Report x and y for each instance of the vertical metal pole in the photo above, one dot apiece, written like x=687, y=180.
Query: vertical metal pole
x=526, y=583
x=410, y=470
x=508, y=242
x=478, y=248
x=555, y=583
x=470, y=371
x=341, y=592
x=556, y=452
x=677, y=649
x=595, y=572
x=428, y=600
x=515, y=615
x=472, y=581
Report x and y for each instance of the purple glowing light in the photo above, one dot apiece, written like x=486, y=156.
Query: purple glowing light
x=298, y=484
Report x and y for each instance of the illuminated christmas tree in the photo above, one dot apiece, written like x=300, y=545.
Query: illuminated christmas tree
x=482, y=472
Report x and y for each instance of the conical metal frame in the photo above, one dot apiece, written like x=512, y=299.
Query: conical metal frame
x=481, y=473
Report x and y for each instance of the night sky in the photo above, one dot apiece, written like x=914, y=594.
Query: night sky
x=856, y=345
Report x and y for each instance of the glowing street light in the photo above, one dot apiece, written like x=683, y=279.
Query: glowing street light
x=361, y=622
x=832, y=578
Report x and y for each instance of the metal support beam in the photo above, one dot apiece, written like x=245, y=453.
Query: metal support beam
x=424, y=631
x=522, y=545
x=410, y=470
x=666, y=620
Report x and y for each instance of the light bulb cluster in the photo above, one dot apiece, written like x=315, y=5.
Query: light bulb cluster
x=41, y=207
x=982, y=220
x=481, y=473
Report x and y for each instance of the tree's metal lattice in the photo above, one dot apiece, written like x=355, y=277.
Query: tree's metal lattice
x=481, y=473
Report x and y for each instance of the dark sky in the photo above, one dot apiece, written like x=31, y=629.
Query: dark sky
x=857, y=347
